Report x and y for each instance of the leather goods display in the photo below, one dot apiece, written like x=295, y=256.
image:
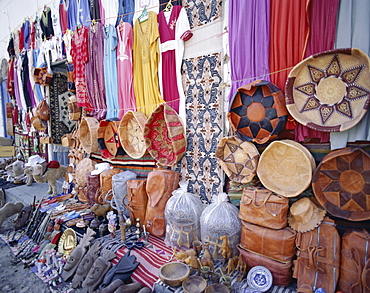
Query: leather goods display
x=263, y=207
x=276, y=244
x=165, y=136
x=281, y=271
x=286, y=167
x=92, y=186
x=330, y=91
x=136, y=199
x=106, y=184
x=88, y=134
x=74, y=112
x=341, y=184
x=119, y=189
x=318, y=258
x=237, y=158
x=43, y=110
x=37, y=123
x=355, y=262
x=257, y=111
x=159, y=187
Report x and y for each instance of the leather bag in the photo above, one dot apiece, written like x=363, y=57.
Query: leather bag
x=281, y=271
x=136, y=199
x=263, y=207
x=74, y=112
x=355, y=262
x=43, y=111
x=106, y=185
x=318, y=258
x=276, y=244
x=92, y=186
x=159, y=187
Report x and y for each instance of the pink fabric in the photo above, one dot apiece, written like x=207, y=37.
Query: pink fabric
x=63, y=16
x=126, y=96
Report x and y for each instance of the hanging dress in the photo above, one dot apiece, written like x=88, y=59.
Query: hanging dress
x=126, y=96
x=146, y=59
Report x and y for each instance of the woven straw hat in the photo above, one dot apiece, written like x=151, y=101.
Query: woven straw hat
x=330, y=91
x=237, y=158
x=257, y=112
x=37, y=123
x=88, y=134
x=108, y=140
x=131, y=134
x=164, y=136
x=285, y=167
x=305, y=215
x=341, y=184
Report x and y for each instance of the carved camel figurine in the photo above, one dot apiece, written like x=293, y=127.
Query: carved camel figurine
x=50, y=176
x=225, y=250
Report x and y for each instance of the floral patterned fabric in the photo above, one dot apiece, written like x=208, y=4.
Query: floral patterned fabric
x=202, y=12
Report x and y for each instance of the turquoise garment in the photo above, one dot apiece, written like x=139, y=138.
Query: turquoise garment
x=38, y=91
x=353, y=23
x=110, y=71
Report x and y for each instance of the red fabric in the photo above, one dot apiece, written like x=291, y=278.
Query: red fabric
x=10, y=80
x=53, y=164
x=288, y=33
x=21, y=39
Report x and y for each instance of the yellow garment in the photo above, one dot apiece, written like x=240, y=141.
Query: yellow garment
x=146, y=59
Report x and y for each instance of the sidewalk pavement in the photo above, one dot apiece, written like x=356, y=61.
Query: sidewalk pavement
x=26, y=194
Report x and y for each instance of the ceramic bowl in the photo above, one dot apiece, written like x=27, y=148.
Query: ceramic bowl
x=194, y=284
x=174, y=273
x=217, y=288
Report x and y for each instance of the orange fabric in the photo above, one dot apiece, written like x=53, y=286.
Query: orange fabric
x=289, y=29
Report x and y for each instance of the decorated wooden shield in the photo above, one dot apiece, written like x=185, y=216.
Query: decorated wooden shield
x=341, y=184
x=257, y=112
x=330, y=91
x=108, y=140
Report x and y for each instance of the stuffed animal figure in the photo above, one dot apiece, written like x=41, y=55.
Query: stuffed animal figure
x=28, y=172
x=9, y=210
x=52, y=173
x=15, y=169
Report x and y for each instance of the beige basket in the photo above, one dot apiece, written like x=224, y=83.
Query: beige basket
x=89, y=134
x=131, y=134
x=85, y=166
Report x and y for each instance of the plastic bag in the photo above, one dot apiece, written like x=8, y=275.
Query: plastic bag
x=218, y=219
x=182, y=215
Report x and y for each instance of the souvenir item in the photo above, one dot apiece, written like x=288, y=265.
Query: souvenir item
x=355, y=262
x=85, y=264
x=341, y=184
x=112, y=223
x=50, y=175
x=88, y=134
x=237, y=158
x=260, y=278
x=281, y=271
x=217, y=288
x=84, y=167
x=74, y=112
x=119, y=189
x=263, y=207
x=23, y=217
x=330, y=91
x=218, y=219
x=92, y=186
x=305, y=215
x=43, y=110
x=33, y=160
x=173, y=273
x=182, y=215
x=194, y=284
x=108, y=140
x=159, y=187
x=257, y=111
x=318, y=258
x=46, y=140
x=278, y=244
x=164, y=136
x=285, y=167
x=42, y=75
x=131, y=134
x=67, y=242
x=77, y=253
x=37, y=123
x=10, y=209
x=101, y=167
x=136, y=199
x=106, y=184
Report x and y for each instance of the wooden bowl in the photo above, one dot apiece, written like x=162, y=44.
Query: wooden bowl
x=174, y=273
x=194, y=284
x=217, y=288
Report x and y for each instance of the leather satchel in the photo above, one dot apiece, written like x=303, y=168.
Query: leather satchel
x=43, y=111
x=318, y=258
x=262, y=207
x=281, y=271
x=136, y=199
x=106, y=185
x=159, y=187
x=92, y=186
x=275, y=244
x=355, y=262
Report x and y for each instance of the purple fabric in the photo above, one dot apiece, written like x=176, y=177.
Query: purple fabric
x=249, y=54
x=94, y=70
x=16, y=89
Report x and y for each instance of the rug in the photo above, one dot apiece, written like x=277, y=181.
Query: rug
x=28, y=144
x=199, y=166
x=202, y=12
x=59, y=121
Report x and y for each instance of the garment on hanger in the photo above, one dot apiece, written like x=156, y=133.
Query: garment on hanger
x=151, y=5
x=95, y=9
x=84, y=16
x=146, y=59
x=110, y=11
x=72, y=11
x=126, y=9
x=163, y=3
x=46, y=23
x=126, y=96
x=110, y=71
x=63, y=16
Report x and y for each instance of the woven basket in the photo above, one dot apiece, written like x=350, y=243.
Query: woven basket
x=85, y=166
x=131, y=134
x=89, y=134
x=108, y=141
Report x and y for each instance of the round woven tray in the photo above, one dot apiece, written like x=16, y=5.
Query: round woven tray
x=89, y=134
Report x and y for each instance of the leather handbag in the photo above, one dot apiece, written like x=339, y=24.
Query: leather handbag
x=136, y=199
x=281, y=271
x=106, y=185
x=355, y=262
x=263, y=207
x=318, y=258
x=159, y=187
x=92, y=186
x=43, y=111
x=74, y=112
x=273, y=243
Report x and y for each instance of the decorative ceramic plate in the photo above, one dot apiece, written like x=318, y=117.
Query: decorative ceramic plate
x=260, y=278
x=67, y=242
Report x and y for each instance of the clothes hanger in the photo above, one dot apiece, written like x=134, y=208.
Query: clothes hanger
x=144, y=15
x=168, y=6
